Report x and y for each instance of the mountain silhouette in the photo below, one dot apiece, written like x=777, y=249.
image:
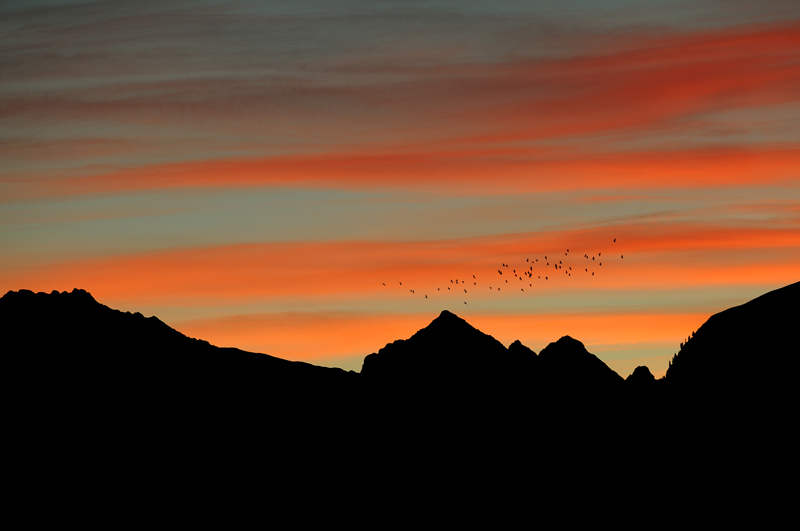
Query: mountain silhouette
x=567, y=364
x=74, y=344
x=92, y=390
x=749, y=350
x=449, y=350
x=641, y=377
x=67, y=350
x=731, y=389
x=451, y=363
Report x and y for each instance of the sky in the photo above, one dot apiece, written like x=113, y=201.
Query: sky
x=265, y=175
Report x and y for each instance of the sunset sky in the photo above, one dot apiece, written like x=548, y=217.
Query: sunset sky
x=253, y=173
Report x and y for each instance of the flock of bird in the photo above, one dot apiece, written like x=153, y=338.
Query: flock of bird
x=527, y=273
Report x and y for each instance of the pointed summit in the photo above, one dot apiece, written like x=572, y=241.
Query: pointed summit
x=447, y=348
x=448, y=319
x=518, y=349
x=448, y=324
x=566, y=345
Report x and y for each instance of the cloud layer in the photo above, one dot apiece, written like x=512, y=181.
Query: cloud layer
x=261, y=171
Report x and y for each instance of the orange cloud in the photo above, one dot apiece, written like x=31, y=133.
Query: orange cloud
x=625, y=80
x=484, y=172
x=646, y=81
x=656, y=256
x=460, y=127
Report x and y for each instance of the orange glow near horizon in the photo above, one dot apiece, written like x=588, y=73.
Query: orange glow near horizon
x=353, y=273
x=321, y=338
x=657, y=256
x=312, y=191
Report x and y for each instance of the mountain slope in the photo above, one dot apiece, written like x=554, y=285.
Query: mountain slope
x=567, y=363
x=752, y=348
x=69, y=343
x=454, y=358
x=445, y=351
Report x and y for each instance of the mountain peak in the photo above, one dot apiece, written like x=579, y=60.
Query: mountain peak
x=570, y=363
x=641, y=375
x=447, y=345
x=448, y=323
x=518, y=348
x=570, y=341
x=449, y=317
x=566, y=346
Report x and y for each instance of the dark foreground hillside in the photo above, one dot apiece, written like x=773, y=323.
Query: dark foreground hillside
x=93, y=387
x=81, y=371
x=750, y=350
x=67, y=345
x=66, y=350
